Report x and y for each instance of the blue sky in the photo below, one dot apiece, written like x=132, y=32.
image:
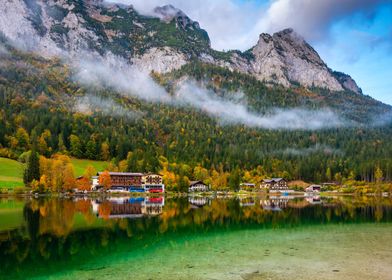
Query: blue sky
x=362, y=47
x=352, y=36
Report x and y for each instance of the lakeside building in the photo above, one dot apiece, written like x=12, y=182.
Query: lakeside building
x=247, y=187
x=153, y=183
x=132, y=182
x=198, y=186
x=275, y=185
x=313, y=188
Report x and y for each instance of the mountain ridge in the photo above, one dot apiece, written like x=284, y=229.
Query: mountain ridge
x=163, y=42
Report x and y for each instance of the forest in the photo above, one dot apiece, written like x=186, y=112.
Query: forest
x=37, y=108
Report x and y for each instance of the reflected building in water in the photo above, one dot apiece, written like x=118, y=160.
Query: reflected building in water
x=199, y=201
x=247, y=201
x=276, y=203
x=116, y=208
x=313, y=199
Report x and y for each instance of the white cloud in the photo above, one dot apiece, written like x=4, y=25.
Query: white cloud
x=115, y=73
x=231, y=112
x=235, y=24
x=90, y=104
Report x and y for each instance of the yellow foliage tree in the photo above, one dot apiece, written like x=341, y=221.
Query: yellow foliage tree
x=104, y=180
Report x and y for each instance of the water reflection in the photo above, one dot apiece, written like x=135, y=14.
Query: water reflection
x=199, y=201
x=56, y=234
x=115, y=208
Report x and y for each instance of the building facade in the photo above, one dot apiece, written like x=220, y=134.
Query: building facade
x=153, y=183
x=247, y=186
x=275, y=184
x=133, y=182
x=198, y=186
x=313, y=188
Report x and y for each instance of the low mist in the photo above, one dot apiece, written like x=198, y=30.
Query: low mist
x=90, y=104
x=129, y=81
x=318, y=148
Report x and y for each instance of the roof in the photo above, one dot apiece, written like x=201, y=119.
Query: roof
x=122, y=174
x=248, y=184
x=192, y=183
x=152, y=174
x=273, y=180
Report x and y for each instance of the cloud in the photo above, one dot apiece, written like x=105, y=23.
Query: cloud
x=230, y=112
x=115, y=73
x=90, y=104
x=245, y=20
x=318, y=148
x=217, y=17
x=381, y=120
x=313, y=19
x=4, y=51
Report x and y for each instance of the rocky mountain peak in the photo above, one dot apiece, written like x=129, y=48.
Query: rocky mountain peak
x=54, y=26
x=286, y=58
x=168, y=12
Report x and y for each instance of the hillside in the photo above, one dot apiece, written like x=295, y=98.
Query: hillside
x=105, y=83
x=11, y=173
x=41, y=100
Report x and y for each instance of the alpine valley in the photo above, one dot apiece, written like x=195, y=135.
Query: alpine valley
x=101, y=81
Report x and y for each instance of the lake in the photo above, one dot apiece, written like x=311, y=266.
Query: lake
x=196, y=238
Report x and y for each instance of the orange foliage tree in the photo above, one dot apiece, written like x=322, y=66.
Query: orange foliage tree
x=104, y=180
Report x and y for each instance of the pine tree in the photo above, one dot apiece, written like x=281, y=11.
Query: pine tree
x=31, y=172
x=235, y=179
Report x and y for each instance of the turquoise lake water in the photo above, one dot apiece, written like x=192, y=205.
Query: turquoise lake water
x=196, y=238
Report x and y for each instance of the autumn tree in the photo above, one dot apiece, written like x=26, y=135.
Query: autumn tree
x=89, y=172
x=83, y=184
x=23, y=139
x=76, y=146
x=69, y=177
x=105, y=151
x=378, y=175
x=104, y=180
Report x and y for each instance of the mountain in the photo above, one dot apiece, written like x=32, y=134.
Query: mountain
x=162, y=42
x=275, y=110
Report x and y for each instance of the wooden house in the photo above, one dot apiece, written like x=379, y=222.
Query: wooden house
x=275, y=184
x=198, y=186
x=247, y=186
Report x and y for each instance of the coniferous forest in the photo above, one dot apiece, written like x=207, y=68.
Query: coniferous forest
x=37, y=108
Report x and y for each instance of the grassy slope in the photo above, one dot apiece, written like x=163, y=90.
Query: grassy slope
x=81, y=164
x=11, y=173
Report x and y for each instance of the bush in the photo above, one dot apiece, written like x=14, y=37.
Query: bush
x=19, y=190
x=3, y=191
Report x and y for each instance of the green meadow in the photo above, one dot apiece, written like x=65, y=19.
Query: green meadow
x=11, y=171
x=81, y=164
